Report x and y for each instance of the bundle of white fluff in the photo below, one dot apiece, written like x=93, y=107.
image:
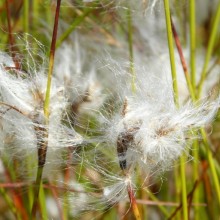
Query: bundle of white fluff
x=149, y=129
x=76, y=73
x=22, y=117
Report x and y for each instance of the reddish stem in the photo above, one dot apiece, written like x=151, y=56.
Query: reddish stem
x=18, y=203
x=55, y=195
x=133, y=202
x=179, y=48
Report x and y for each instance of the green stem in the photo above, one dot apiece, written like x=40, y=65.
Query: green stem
x=177, y=187
x=42, y=200
x=171, y=50
x=211, y=44
x=51, y=63
x=183, y=61
x=209, y=154
x=195, y=154
x=192, y=24
x=10, y=203
x=38, y=185
x=211, y=164
x=72, y=27
x=175, y=88
x=42, y=149
x=29, y=165
x=183, y=186
x=26, y=16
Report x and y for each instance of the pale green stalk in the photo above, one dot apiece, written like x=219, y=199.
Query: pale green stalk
x=196, y=195
x=211, y=165
x=210, y=47
x=47, y=97
x=30, y=188
x=10, y=203
x=192, y=24
x=211, y=161
x=73, y=26
x=38, y=186
x=183, y=185
x=175, y=88
x=195, y=152
x=43, y=206
x=177, y=187
x=203, y=77
x=192, y=93
x=171, y=50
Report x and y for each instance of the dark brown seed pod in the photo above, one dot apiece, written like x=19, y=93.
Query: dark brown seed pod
x=124, y=141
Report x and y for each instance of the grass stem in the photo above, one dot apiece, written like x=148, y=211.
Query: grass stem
x=42, y=149
x=210, y=47
x=211, y=164
x=192, y=24
x=183, y=61
x=175, y=88
x=171, y=50
x=183, y=186
x=133, y=202
x=73, y=26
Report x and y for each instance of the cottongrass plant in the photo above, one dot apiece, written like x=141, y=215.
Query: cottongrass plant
x=22, y=99
x=91, y=135
x=152, y=131
x=149, y=130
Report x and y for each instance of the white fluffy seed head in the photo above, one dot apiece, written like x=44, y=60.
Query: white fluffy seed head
x=153, y=131
x=21, y=112
x=75, y=71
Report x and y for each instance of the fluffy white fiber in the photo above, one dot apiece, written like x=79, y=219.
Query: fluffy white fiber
x=154, y=131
